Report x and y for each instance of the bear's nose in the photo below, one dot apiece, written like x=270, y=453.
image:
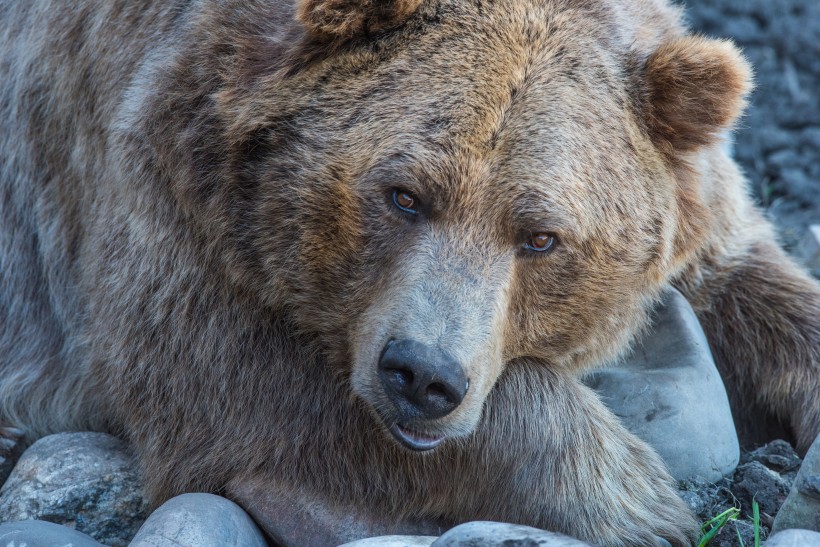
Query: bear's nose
x=428, y=379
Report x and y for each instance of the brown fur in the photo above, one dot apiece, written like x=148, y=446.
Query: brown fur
x=343, y=19
x=696, y=90
x=200, y=253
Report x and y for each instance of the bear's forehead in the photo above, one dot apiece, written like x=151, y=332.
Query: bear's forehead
x=532, y=80
x=540, y=124
x=523, y=103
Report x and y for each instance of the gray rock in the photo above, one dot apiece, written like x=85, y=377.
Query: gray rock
x=753, y=480
x=499, y=534
x=777, y=455
x=669, y=393
x=87, y=481
x=393, y=541
x=38, y=533
x=794, y=538
x=802, y=507
x=199, y=520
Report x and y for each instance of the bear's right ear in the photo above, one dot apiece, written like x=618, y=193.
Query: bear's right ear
x=694, y=88
x=335, y=20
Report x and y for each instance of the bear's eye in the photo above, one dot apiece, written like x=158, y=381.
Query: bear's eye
x=541, y=242
x=405, y=201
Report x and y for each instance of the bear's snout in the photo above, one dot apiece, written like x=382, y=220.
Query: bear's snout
x=422, y=382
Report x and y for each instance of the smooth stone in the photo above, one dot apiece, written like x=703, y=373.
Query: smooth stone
x=794, y=538
x=200, y=520
x=499, y=534
x=802, y=507
x=87, y=481
x=668, y=392
x=38, y=533
x=393, y=541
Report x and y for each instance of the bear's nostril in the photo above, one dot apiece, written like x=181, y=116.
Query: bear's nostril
x=403, y=377
x=423, y=382
x=439, y=391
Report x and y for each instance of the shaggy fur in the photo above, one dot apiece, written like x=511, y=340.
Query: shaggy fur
x=344, y=19
x=199, y=251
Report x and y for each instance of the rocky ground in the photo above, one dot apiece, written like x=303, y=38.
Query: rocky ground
x=778, y=140
x=765, y=475
x=777, y=144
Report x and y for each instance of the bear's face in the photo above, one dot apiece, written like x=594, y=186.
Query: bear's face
x=472, y=189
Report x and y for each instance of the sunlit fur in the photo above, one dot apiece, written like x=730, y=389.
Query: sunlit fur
x=198, y=249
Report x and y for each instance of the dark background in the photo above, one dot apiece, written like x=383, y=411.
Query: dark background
x=777, y=142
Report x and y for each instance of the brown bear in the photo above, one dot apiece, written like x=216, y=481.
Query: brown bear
x=349, y=257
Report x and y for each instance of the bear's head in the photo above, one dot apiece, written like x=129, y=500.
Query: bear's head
x=437, y=190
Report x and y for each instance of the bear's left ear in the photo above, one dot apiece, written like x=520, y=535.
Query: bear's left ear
x=694, y=88
x=345, y=19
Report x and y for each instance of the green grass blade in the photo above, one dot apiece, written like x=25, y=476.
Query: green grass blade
x=756, y=521
x=712, y=527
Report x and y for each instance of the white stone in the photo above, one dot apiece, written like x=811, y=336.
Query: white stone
x=38, y=533
x=201, y=520
x=794, y=538
x=393, y=541
x=499, y=534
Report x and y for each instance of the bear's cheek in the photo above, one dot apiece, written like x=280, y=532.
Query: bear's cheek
x=573, y=310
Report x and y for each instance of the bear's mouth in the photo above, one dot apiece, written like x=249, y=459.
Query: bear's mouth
x=413, y=439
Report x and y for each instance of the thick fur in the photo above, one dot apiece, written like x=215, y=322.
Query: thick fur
x=198, y=249
x=343, y=19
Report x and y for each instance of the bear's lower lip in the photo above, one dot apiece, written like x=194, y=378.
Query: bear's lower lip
x=414, y=440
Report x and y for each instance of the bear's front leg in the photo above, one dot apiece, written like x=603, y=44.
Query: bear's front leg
x=547, y=454
x=761, y=314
